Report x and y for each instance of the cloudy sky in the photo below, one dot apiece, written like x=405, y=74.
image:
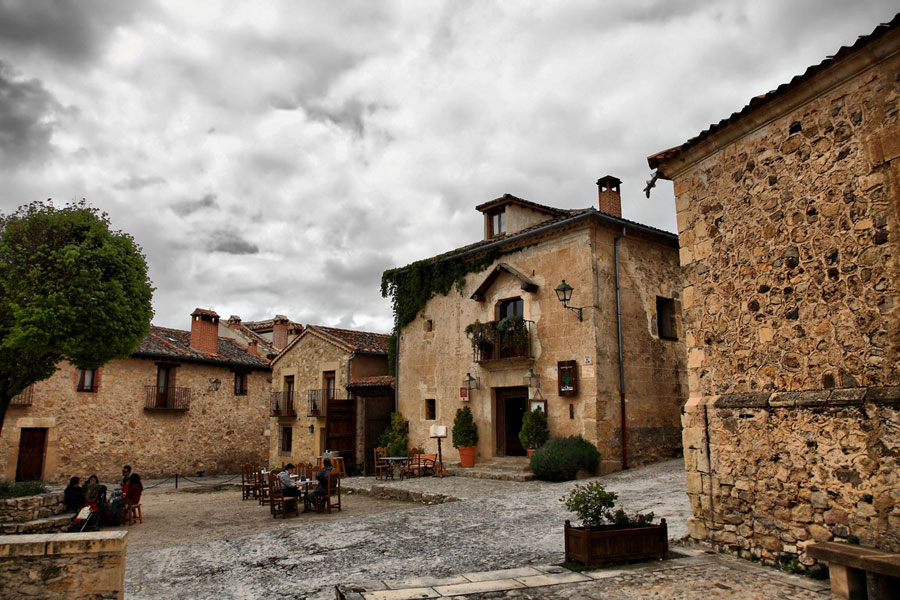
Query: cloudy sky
x=276, y=157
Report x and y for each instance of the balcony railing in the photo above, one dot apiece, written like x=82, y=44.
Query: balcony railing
x=498, y=340
x=316, y=403
x=167, y=398
x=23, y=399
x=282, y=405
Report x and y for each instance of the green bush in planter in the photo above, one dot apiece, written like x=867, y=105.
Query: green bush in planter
x=560, y=459
x=395, y=438
x=465, y=433
x=593, y=505
x=534, y=432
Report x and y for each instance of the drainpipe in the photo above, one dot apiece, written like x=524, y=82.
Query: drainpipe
x=397, y=371
x=621, y=356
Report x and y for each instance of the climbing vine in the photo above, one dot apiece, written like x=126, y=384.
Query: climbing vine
x=412, y=286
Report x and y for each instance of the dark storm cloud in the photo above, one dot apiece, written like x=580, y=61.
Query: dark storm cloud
x=136, y=182
x=189, y=207
x=357, y=274
x=232, y=243
x=26, y=110
x=71, y=31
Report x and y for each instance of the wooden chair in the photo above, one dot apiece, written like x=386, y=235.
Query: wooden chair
x=382, y=467
x=338, y=463
x=133, y=513
x=279, y=505
x=248, y=481
x=426, y=463
x=262, y=487
x=411, y=467
x=332, y=499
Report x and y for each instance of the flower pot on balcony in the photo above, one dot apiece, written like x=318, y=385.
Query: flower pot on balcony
x=611, y=543
x=314, y=412
x=467, y=457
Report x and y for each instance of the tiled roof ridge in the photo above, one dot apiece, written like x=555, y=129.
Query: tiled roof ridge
x=756, y=102
x=386, y=335
x=228, y=351
x=506, y=198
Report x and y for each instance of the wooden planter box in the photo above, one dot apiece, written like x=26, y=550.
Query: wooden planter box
x=596, y=545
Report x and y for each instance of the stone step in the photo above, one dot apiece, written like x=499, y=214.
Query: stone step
x=53, y=524
x=505, y=470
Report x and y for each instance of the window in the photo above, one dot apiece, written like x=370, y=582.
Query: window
x=329, y=385
x=429, y=325
x=497, y=222
x=240, y=383
x=288, y=388
x=512, y=307
x=287, y=440
x=87, y=380
x=165, y=377
x=666, y=326
x=430, y=410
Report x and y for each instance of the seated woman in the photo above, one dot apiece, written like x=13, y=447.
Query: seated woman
x=132, y=491
x=74, y=495
x=88, y=518
x=322, y=489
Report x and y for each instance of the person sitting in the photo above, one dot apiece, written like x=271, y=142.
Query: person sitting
x=321, y=490
x=130, y=494
x=132, y=491
x=92, y=479
x=74, y=495
x=126, y=473
x=88, y=518
x=287, y=483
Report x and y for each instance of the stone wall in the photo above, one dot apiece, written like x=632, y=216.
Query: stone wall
x=98, y=432
x=64, y=566
x=767, y=474
x=788, y=221
x=14, y=512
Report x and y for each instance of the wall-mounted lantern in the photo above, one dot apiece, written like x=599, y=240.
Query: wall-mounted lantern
x=214, y=382
x=532, y=380
x=471, y=383
x=312, y=428
x=564, y=293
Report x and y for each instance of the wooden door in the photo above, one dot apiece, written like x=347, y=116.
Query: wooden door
x=378, y=418
x=340, y=430
x=31, y=454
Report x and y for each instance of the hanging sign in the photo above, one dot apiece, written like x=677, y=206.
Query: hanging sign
x=464, y=393
x=567, y=378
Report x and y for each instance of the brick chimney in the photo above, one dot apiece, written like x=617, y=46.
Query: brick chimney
x=280, y=328
x=610, y=200
x=204, y=331
x=234, y=320
x=253, y=347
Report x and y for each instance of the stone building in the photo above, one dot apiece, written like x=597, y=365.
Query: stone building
x=617, y=383
x=311, y=411
x=788, y=222
x=185, y=401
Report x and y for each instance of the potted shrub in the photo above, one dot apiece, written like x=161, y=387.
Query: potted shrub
x=465, y=436
x=313, y=408
x=608, y=535
x=395, y=438
x=534, y=432
x=481, y=335
x=513, y=336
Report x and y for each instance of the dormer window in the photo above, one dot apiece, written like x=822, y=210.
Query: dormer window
x=497, y=222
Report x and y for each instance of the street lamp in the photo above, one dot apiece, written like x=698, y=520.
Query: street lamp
x=564, y=293
x=471, y=383
x=532, y=380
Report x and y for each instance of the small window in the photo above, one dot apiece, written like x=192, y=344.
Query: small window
x=513, y=307
x=87, y=380
x=429, y=325
x=329, y=385
x=287, y=440
x=498, y=222
x=666, y=326
x=430, y=410
x=240, y=383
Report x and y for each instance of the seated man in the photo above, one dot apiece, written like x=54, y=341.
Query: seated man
x=322, y=489
x=287, y=483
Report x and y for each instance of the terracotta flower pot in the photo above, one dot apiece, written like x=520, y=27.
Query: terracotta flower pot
x=467, y=457
x=530, y=451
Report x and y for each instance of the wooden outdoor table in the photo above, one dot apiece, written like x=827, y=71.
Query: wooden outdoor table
x=304, y=495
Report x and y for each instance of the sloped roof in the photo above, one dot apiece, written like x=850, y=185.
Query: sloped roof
x=268, y=324
x=355, y=341
x=655, y=160
x=265, y=346
x=527, y=284
x=510, y=199
x=385, y=381
x=175, y=344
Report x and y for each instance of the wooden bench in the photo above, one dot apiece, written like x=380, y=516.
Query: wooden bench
x=859, y=573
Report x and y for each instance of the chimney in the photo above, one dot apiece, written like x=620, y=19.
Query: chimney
x=253, y=347
x=204, y=331
x=610, y=200
x=280, y=331
x=234, y=320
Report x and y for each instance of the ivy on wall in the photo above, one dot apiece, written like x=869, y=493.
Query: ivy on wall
x=412, y=286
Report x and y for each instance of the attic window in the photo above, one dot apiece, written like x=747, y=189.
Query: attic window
x=497, y=222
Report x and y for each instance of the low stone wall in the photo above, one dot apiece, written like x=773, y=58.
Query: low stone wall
x=769, y=473
x=69, y=566
x=42, y=512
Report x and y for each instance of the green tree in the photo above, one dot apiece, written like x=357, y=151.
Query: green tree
x=71, y=288
x=534, y=432
x=465, y=432
x=395, y=438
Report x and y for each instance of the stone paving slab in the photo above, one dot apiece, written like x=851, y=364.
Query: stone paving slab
x=478, y=587
x=502, y=574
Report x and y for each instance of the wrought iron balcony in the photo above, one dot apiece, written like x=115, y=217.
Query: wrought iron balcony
x=167, y=398
x=25, y=398
x=317, y=402
x=282, y=405
x=500, y=340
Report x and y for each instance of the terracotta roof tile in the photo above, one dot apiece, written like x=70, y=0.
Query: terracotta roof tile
x=370, y=382
x=510, y=199
x=175, y=344
x=356, y=341
x=657, y=159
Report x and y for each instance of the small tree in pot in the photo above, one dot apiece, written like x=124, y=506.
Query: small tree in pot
x=465, y=436
x=609, y=535
x=534, y=432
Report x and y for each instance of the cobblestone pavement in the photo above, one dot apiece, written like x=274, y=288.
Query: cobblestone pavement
x=497, y=525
